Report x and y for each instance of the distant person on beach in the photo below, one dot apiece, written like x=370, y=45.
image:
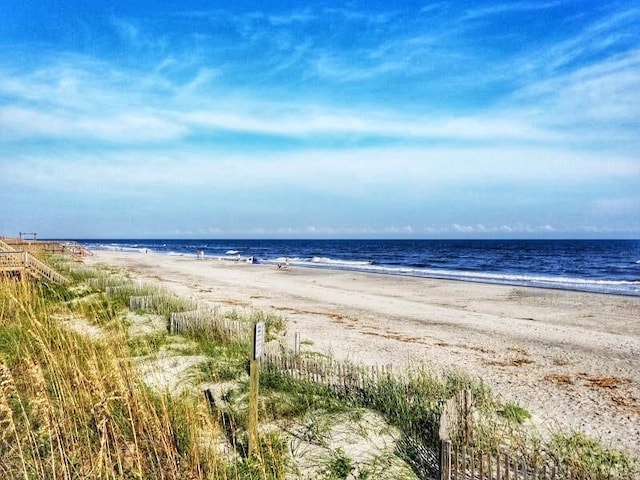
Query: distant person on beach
x=285, y=265
x=200, y=254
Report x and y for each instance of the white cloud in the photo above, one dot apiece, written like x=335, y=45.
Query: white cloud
x=520, y=228
x=125, y=127
x=348, y=172
x=607, y=92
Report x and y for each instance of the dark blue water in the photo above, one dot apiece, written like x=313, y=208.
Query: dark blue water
x=605, y=266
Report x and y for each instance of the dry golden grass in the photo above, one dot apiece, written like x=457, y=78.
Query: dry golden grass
x=71, y=407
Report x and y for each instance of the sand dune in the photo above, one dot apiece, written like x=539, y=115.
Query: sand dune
x=572, y=359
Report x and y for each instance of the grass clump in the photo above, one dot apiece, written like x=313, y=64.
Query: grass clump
x=514, y=413
x=339, y=466
x=587, y=458
x=74, y=408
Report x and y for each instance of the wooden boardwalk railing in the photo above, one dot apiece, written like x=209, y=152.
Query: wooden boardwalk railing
x=5, y=247
x=24, y=262
x=43, y=270
x=39, y=247
x=10, y=261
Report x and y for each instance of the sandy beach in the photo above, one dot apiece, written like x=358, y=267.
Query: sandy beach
x=572, y=359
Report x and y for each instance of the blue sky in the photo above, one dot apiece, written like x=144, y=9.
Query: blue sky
x=372, y=119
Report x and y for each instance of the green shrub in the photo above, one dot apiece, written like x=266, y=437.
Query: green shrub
x=514, y=413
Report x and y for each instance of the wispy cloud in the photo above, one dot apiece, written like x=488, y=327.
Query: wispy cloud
x=354, y=173
x=501, y=8
x=426, y=121
x=606, y=91
x=65, y=102
x=594, y=40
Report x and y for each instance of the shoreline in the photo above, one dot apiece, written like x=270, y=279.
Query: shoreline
x=571, y=358
x=588, y=284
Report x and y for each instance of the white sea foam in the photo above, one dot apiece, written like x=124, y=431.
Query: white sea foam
x=333, y=261
x=232, y=252
x=565, y=283
x=114, y=247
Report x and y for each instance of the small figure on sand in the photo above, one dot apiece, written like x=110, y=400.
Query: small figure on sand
x=200, y=254
x=285, y=265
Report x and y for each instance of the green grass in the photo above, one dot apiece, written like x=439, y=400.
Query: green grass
x=339, y=466
x=514, y=413
x=588, y=458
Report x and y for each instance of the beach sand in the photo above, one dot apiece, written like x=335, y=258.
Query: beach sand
x=572, y=359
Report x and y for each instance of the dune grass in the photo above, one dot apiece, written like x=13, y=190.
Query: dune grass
x=72, y=406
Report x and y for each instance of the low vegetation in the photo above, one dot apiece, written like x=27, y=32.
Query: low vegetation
x=80, y=405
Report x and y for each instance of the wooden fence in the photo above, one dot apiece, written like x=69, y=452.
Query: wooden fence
x=466, y=463
x=130, y=289
x=457, y=460
x=343, y=376
x=207, y=320
x=164, y=303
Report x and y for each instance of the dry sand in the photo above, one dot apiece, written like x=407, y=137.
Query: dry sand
x=572, y=359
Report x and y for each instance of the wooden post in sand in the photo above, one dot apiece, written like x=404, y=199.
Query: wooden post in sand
x=296, y=345
x=254, y=377
x=445, y=445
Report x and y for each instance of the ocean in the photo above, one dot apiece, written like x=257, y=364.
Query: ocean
x=602, y=266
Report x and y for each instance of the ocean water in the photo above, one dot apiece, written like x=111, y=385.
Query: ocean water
x=604, y=266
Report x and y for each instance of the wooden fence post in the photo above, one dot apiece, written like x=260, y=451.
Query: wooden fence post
x=296, y=345
x=257, y=351
x=445, y=460
x=445, y=445
x=468, y=424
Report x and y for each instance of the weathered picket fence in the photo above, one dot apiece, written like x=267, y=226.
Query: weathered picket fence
x=466, y=463
x=100, y=281
x=207, y=320
x=460, y=460
x=163, y=304
x=130, y=289
x=344, y=376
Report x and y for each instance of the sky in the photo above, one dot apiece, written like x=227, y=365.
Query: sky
x=356, y=119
